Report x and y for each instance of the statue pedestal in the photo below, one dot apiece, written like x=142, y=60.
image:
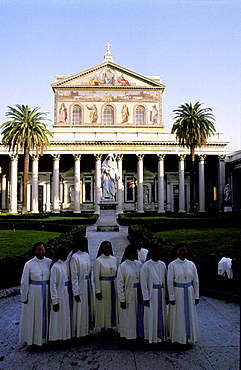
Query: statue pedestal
x=227, y=209
x=107, y=220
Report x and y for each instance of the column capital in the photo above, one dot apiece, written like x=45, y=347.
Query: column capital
x=181, y=157
x=221, y=157
x=13, y=157
x=161, y=157
x=119, y=157
x=77, y=157
x=201, y=157
x=98, y=157
x=35, y=157
x=56, y=157
x=140, y=157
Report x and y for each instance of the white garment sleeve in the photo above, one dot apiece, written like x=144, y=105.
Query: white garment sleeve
x=96, y=272
x=121, y=284
x=74, y=276
x=144, y=278
x=25, y=282
x=54, y=281
x=170, y=280
x=195, y=282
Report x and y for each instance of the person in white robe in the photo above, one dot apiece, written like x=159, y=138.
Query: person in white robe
x=105, y=270
x=129, y=293
x=137, y=242
x=35, y=297
x=183, y=290
x=60, y=322
x=80, y=269
x=153, y=286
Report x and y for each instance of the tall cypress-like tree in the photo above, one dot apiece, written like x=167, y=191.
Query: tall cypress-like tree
x=193, y=126
x=25, y=132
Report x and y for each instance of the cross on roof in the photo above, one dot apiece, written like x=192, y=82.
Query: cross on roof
x=108, y=46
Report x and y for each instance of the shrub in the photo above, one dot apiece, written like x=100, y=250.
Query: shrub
x=11, y=268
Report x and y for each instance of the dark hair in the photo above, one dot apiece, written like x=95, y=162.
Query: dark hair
x=128, y=251
x=153, y=248
x=100, y=250
x=179, y=245
x=38, y=244
x=60, y=252
x=80, y=244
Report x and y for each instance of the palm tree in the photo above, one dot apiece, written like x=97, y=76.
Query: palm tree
x=25, y=132
x=193, y=125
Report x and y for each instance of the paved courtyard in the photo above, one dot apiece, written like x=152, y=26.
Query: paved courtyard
x=218, y=347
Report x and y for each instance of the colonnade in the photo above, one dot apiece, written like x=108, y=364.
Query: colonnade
x=119, y=193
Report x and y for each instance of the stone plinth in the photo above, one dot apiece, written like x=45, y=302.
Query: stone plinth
x=107, y=220
x=227, y=209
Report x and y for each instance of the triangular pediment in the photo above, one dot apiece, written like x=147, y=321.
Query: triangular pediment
x=107, y=74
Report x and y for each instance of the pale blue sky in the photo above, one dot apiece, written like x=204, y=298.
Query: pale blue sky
x=194, y=46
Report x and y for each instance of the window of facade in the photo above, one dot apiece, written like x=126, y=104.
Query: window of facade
x=130, y=189
x=108, y=115
x=76, y=115
x=156, y=189
x=140, y=115
x=88, y=189
x=20, y=189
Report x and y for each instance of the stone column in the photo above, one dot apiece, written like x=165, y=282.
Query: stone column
x=201, y=159
x=77, y=158
x=181, y=163
x=221, y=181
x=4, y=191
x=34, y=203
x=56, y=159
x=14, y=184
x=119, y=195
x=48, y=200
x=98, y=158
x=160, y=179
x=140, y=183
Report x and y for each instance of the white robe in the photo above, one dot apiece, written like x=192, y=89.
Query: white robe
x=80, y=268
x=129, y=274
x=179, y=324
x=34, y=317
x=106, y=310
x=153, y=278
x=60, y=323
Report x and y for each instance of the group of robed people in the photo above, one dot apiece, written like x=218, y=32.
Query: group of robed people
x=68, y=297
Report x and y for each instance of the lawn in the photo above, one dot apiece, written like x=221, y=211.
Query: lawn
x=17, y=242
x=226, y=242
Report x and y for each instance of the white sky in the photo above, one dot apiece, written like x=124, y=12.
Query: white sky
x=194, y=46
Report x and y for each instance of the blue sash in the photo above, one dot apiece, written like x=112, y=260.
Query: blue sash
x=113, y=297
x=186, y=305
x=44, y=294
x=160, y=331
x=140, y=327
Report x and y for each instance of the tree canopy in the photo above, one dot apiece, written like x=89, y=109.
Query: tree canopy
x=193, y=125
x=25, y=129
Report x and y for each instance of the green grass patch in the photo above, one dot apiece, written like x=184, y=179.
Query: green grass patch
x=206, y=242
x=14, y=243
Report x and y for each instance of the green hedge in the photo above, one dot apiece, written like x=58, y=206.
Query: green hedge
x=203, y=253
x=11, y=268
x=160, y=222
x=56, y=223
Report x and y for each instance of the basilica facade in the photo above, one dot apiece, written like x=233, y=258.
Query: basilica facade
x=109, y=109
